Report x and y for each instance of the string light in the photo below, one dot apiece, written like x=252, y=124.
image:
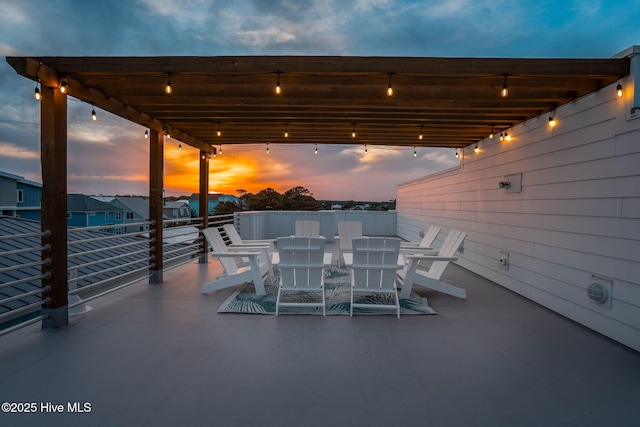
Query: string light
x=316, y=152
x=491, y=134
x=389, y=88
x=286, y=130
x=420, y=136
x=507, y=136
x=146, y=134
x=502, y=136
x=366, y=151
x=278, y=88
x=415, y=153
x=457, y=155
x=552, y=120
x=476, y=149
x=36, y=92
x=221, y=149
x=94, y=116
x=505, y=90
x=619, y=89
x=180, y=146
x=63, y=86
x=219, y=133
x=267, y=148
x=168, y=89
x=353, y=132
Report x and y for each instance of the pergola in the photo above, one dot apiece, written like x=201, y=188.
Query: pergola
x=435, y=102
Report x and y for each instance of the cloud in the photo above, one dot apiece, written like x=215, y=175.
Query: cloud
x=9, y=150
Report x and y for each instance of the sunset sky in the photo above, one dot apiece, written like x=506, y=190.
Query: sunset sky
x=110, y=156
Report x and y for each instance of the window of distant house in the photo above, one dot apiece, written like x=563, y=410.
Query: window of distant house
x=106, y=215
x=118, y=216
x=129, y=215
x=20, y=196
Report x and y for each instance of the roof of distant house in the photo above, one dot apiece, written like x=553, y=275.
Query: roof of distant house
x=21, y=179
x=82, y=203
x=137, y=205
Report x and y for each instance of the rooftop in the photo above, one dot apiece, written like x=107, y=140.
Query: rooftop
x=162, y=355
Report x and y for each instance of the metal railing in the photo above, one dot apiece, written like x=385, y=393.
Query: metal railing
x=24, y=302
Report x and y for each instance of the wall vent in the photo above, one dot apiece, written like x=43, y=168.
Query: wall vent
x=599, y=291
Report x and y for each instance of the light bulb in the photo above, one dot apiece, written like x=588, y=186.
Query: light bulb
x=415, y=153
x=168, y=89
x=507, y=136
x=180, y=147
x=278, y=88
x=457, y=153
x=36, y=93
x=220, y=149
x=316, y=152
x=146, y=134
x=94, y=117
x=63, y=86
x=390, y=87
x=619, y=89
x=505, y=91
x=476, y=149
x=552, y=121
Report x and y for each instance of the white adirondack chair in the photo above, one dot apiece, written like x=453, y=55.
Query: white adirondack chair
x=430, y=278
x=308, y=228
x=257, y=268
x=425, y=246
x=374, y=270
x=237, y=241
x=347, y=231
x=301, y=270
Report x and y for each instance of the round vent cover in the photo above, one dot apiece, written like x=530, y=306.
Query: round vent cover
x=597, y=292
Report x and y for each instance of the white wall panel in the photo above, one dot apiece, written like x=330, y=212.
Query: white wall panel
x=578, y=213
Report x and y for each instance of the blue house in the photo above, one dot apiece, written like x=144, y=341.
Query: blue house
x=85, y=211
x=20, y=197
x=214, y=199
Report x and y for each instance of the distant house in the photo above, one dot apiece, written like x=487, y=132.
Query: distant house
x=214, y=199
x=136, y=209
x=85, y=211
x=176, y=210
x=20, y=197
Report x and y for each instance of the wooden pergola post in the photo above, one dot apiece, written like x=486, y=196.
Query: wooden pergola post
x=204, y=202
x=156, y=186
x=53, y=146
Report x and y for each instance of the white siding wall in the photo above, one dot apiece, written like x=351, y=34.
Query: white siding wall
x=578, y=213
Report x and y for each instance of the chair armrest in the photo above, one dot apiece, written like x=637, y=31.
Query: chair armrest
x=418, y=250
x=427, y=257
x=234, y=254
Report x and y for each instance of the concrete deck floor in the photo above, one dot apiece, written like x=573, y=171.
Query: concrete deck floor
x=162, y=356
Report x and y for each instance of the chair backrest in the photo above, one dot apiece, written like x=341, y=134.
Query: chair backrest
x=232, y=234
x=301, y=262
x=449, y=248
x=375, y=262
x=308, y=228
x=430, y=237
x=348, y=230
x=215, y=240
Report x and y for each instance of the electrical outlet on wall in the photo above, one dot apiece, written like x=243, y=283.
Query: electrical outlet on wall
x=503, y=260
